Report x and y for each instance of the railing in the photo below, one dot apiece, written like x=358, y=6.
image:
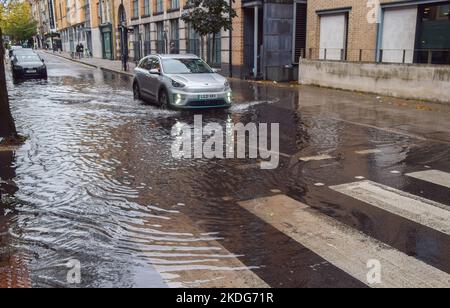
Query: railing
x=403, y=56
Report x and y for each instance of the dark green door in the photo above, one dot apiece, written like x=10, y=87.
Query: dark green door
x=107, y=46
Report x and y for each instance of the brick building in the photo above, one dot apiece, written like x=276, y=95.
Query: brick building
x=405, y=31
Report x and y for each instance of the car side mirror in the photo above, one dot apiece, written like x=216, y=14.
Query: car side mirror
x=154, y=71
x=43, y=61
x=215, y=70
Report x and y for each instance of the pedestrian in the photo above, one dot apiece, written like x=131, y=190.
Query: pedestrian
x=81, y=50
x=125, y=61
x=78, y=51
x=172, y=49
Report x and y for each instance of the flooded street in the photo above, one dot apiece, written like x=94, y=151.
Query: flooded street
x=96, y=182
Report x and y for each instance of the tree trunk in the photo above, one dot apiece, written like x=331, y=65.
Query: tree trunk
x=7, y=126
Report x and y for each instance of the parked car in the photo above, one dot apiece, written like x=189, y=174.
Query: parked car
x=180, y=81
x=28, y=65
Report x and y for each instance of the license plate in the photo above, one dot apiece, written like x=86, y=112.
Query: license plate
x=31, y=71
x=207, y=96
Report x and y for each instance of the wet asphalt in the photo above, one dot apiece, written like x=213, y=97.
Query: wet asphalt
x=96, y=182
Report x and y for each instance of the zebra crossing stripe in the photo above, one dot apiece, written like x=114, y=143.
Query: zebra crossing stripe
x=420, y=210
x=433, y=176
x=344, y=247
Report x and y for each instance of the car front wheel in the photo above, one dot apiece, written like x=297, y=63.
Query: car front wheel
x=136, y=91
x=163, y=99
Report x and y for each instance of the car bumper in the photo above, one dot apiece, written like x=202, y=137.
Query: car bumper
x=186, y=100
x=26, y=75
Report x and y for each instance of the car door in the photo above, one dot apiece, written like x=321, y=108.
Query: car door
x=142, y=77
x=154, y=79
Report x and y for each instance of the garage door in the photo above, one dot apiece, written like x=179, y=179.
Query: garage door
x=333, y=36
x=399, y=34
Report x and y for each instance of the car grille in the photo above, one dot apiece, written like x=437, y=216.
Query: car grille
x=204, y=90
x=215, y=102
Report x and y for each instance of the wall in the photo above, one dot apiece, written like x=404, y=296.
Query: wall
x=423, y=82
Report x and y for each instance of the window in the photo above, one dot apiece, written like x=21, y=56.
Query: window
x=174, y=36
x=144, y=64
x=154, y=64
x=147, y=40
x=186, y=66
x=135, y=8
x=147, y=7
x=160, y=46
x=193, y=42
x=214, y=50
x=174, y=4
x=159, y=6
x=433, y=34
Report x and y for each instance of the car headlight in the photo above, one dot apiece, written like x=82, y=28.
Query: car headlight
x=17, y=68
x=177, y=84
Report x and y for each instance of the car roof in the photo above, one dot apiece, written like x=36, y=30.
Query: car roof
x=177, y=56
x=24, y=50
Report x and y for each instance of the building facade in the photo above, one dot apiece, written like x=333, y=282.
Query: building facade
x=266, y=42
x=155, y=26
x=43, y=12
x=392, y=31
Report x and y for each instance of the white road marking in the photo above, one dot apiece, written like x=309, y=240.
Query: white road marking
x=316, y=158
x=423, y=211
x=432, y=176
x=344, y=247
x=370, y=151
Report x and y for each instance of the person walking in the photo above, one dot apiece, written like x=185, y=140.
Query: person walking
x=81, y=50
x=125, y=61
x=77, y=50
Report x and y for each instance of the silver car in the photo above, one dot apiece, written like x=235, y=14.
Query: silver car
x=180, y=81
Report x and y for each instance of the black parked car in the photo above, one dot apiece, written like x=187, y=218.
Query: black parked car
x=28, y=65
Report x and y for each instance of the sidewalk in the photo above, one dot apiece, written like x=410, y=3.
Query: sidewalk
x=103, y=64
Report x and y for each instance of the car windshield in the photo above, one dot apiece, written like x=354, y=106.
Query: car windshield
x=185, y=66
x=28, y=58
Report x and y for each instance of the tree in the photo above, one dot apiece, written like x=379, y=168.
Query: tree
x=16, y=20
x=7, y=126
x=209, y=17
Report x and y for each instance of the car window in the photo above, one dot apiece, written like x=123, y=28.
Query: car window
x=186, y=66
x=27, y=58
x=144, y=64
x=154, y=64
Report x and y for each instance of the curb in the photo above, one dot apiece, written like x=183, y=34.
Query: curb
x=70, y=59
x=116, y=71
x=89, y=64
